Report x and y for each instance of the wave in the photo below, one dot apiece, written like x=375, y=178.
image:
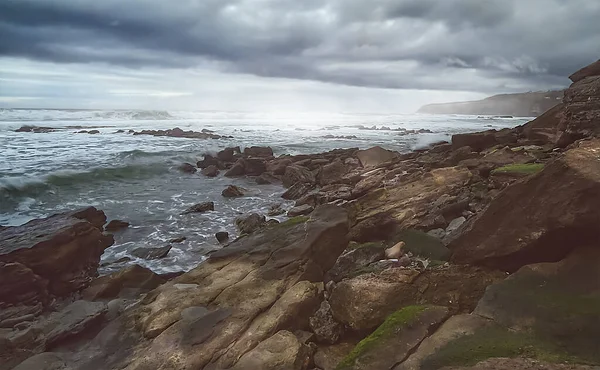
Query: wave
x=34, y=187
x=138, y=153
x=27, y=115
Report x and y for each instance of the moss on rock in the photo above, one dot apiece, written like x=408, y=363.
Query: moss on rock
x=294, y=221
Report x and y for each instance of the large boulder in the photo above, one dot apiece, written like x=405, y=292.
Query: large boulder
x=375, y=156
x=200, y=208
x=232, y=191
x=20, y=285
x=250, y=223
x=332, y=173
x=62, y=251
x=187, y=168
x=258, y=151
x=296, y=191
x=477, y=141
x=541, y=218
x=297, y=174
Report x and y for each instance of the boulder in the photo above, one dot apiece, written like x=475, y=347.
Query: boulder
x=254, y=166
x=258, y=151
x=233, y=191
x=130, y=282
x=367, y=183
x=276, y=210
x=300, y=210
x=222, y=236
x=62, y=250
x=210, y=171
x=208, y=160
x=20, y=285
x=115, y=225
x=228, y=154
x=541, y=218
x=296, y=191
x=278, y=166
x=151, y=253
x=395, y=339
x=324, y=325
x=267, y=179
x=357, y=259
x=282, y=351
x=375, y=156
x=250, y=223
x=200, y=208
x=187, y=168
x=332, y=173
x=477, y=141
x=297, y=174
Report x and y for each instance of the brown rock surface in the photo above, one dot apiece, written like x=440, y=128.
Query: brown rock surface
x=375, y=156
x=127, y=283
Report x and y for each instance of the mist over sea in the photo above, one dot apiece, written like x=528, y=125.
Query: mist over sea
x=134, y=178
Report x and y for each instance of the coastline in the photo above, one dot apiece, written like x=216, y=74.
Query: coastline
x=463, y=252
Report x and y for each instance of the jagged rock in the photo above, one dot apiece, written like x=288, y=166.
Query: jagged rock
x=396, y=338
x=355, y=260
x=115, y=225
x=228, y=154
x=236, y=170
x=300, y=210
x=200, y=208
x=375, y=156
x=296, y=191
x=233, y=191
x=210, y=171
x=367, y=183
x=258, y=151
x=267, y=179
x=249, y=224
x=324, y=325
x=332, y=173
x=187, y=168
x=62, y=250
x=276, y=210
x=151, y=253
x=208, y=160
x=541, y=218
x=222, y=236
x=297, y=174
x=363, y=302
x=44, y=361
x=127, y=283
x=587, y=71
x=278, y=166
x=36, y=129
x=582, y=111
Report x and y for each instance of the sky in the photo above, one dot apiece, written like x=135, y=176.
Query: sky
x=287, y=55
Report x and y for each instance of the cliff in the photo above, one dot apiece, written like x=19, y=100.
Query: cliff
x=529, y=104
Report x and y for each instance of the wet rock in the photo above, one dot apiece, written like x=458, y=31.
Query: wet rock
x=395, y=339
x=297, y=174
x=222, y=236
x=233, y=191
x=258, y=151
x=324, y=325
x=130, y=282
x=278, y=166
x=254, y=166
x=249, y=224
x=228, y=154
x=210, y=171
x=179, y=133
x=236, y=170
x=180, y=239
x=375, y=156
x=151, y=253
x=61, y=251
x=36, y=129
x=115, y=225
x=93, y=132
x=276, y=210
x=187, y=168
x=267, y=179
x=200, y=208
x=120, y=260
x=208, y=160
x=296, y=191
x=300, y=210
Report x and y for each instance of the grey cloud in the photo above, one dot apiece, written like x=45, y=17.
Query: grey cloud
x=477, y=46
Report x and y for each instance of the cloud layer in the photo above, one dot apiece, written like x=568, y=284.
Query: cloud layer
x=468, y=45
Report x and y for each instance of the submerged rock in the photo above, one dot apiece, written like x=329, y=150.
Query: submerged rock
x=200, y=208
x=233, y=191
x=187, y=168
x=115, y=225
x=151, y=253
x=210, y=171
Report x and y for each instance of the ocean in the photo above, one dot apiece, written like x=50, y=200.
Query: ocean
x=135, y=179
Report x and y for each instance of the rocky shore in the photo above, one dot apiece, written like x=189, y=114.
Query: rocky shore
x=481, y=253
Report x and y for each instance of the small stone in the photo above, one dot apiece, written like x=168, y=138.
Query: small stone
x=395, y=251
x=222, y=236
x=324, y=325
x=232, y=191
x=115, y=225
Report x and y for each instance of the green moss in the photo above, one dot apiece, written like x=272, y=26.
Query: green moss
x=493, y=342
x=528, y=168
x=392, y=323
x=294, y=221
x=423, y=245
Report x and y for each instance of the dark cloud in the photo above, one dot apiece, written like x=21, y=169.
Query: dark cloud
x=420, y=44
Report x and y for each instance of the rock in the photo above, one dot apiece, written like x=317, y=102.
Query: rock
x=210, y=171
x=151, y=253
x=357, y=259
x=363, y=302
x=179, y=133
x=332, y=173
x=581, y=112
x=200, y=208
x=254, y=166
x=130, y=282
x=455, y=224
x=395, y=251
x=222, y=236
x=61, y=252
x=92, y=132
x=19, y=284
x=180, y=239
x=437, y=233
x=300, y=210
x=276, y=210
x=115, y=225
x=297, y=174
x=587, y=71
x=296, y=191
x=232, y=191
x=258, y=151
x=208, y=161
x=367, y=183
x=324, y=325
x=375, y=156
x=43, y=361
x=228, y=154
x=278, y=166
x=519, y=364
x=236, y=170
x=477, y=141
x=328, y=357
x=249, y=224
x=187, y=168
x=540, y=218
x=267, y=179
x=395, y=339
x=282, y=351
x=36, y=129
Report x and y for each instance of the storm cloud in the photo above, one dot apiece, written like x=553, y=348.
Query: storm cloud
x=467, y=45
